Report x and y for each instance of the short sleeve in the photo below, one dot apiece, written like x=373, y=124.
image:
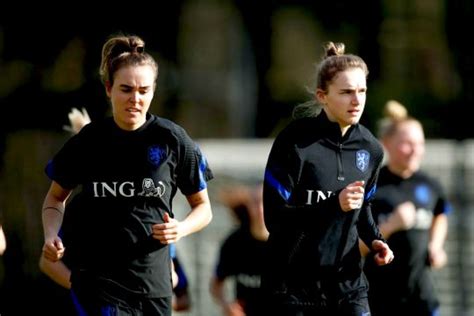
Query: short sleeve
x=64, y=167
x=443, y=206
x=193, y=171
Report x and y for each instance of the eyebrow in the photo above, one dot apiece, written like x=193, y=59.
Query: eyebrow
x=131, y=87
x=352, y=89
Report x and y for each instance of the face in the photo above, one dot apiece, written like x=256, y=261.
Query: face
x=344, y=99
x=131, y=95
x=405, y=148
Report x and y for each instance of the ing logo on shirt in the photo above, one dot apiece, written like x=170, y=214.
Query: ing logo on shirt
x=127, y=189
x=149, y=188
x=362, y=160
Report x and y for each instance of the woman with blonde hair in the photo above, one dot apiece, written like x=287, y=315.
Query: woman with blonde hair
x=411, y=210
x=320, y=179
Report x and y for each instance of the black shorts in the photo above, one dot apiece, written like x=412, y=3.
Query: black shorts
x=97, y=296
x=96, y=306
x=353, y=307
x=325, y=302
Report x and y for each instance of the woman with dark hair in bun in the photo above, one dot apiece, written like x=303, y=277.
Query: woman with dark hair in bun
x=129, y=168
x=320, y=179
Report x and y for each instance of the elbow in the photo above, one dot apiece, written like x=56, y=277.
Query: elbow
x=3, y=246
x=3, y=241
x=200, y=222
x=209, y=217
x=206, y=214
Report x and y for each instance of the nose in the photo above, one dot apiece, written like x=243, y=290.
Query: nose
x=134, y=97
x=356, y=99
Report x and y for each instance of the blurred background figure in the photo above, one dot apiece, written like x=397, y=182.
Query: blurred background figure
x=3, y=241
x=411, y=210
x=241, y=254
x=57, y=274
x=77, y=120
x=181, y=297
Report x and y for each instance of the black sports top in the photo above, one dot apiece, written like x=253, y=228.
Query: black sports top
x=311, y=238
x=128, y=181
x=242, y=257
x=408, y=276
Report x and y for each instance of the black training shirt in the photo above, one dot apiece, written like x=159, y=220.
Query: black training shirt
x=128, y=180
x=242, y=256
x=407, y=278
x=311, y=238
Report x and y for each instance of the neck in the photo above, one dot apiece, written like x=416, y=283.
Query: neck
x=344, y=129
x=401, y=172
x=129, y=127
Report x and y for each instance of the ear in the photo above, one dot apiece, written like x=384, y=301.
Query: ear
x=321, y=96
x=108, y=88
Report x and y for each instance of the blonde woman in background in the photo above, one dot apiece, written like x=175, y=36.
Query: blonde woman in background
x=412, y=212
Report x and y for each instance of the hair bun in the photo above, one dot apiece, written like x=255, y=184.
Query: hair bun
x=395, y=110
x=139, y=49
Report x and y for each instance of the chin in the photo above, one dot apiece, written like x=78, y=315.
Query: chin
x=134, y=120
x=354, y=121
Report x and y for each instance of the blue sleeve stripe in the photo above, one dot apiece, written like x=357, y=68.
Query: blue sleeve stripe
x=49, y=169
x=275, y=184
x=371, y=193
x=202, y=170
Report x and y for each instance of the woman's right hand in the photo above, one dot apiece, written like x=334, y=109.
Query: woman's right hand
x=352, y=196
x=53, y=249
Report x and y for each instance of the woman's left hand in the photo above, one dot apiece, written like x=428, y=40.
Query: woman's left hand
x=383, y=253
x=168, y=232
